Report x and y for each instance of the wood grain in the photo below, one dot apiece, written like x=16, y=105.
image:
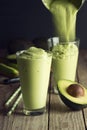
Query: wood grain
x=62, y=118
x=82, y=73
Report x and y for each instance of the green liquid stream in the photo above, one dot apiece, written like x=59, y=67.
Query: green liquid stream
x=64, y=14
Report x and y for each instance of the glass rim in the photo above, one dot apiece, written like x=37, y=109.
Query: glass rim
x=18, y=53
x=55, y=37
x=54, y=41
x=75, y=42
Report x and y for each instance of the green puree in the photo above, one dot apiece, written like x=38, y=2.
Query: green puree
x=34, y=53
x=64, y=16
x=34, y=68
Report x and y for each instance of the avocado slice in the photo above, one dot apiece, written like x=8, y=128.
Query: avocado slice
x=75, y=103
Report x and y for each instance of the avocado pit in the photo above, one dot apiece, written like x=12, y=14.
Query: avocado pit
x=75, y=90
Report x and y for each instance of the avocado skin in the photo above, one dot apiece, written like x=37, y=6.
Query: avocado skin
x=70, y=104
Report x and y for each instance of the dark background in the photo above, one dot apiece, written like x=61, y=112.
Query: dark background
x=29, y=19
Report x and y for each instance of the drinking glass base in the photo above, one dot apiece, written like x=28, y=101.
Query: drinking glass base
x=34, y=112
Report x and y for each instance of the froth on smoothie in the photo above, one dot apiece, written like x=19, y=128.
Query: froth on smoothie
x=64, y=63
x=33, y=53
x=62, y=51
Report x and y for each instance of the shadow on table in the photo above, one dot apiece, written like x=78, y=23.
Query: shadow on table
x=57, y=106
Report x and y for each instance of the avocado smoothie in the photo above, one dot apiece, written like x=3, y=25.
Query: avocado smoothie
x=34, y=69
x=64, y=64
x=65, y=55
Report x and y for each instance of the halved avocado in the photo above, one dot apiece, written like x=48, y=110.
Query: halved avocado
x=75, y=103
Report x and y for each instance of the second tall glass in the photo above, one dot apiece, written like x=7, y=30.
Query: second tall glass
x=64, y=62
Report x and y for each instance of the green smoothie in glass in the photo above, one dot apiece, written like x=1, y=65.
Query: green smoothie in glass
x=64, y=64
x=34, y=68
x=65, y=54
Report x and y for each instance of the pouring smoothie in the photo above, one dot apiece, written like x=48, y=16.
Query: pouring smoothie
x=64, y=17
x=65, y=54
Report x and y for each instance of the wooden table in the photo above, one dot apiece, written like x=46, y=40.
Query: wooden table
x=57, y=117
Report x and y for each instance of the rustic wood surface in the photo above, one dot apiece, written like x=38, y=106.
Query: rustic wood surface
x=57, y=117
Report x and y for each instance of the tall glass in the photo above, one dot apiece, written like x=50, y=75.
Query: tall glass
x=64, y=61
x=34, y=77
